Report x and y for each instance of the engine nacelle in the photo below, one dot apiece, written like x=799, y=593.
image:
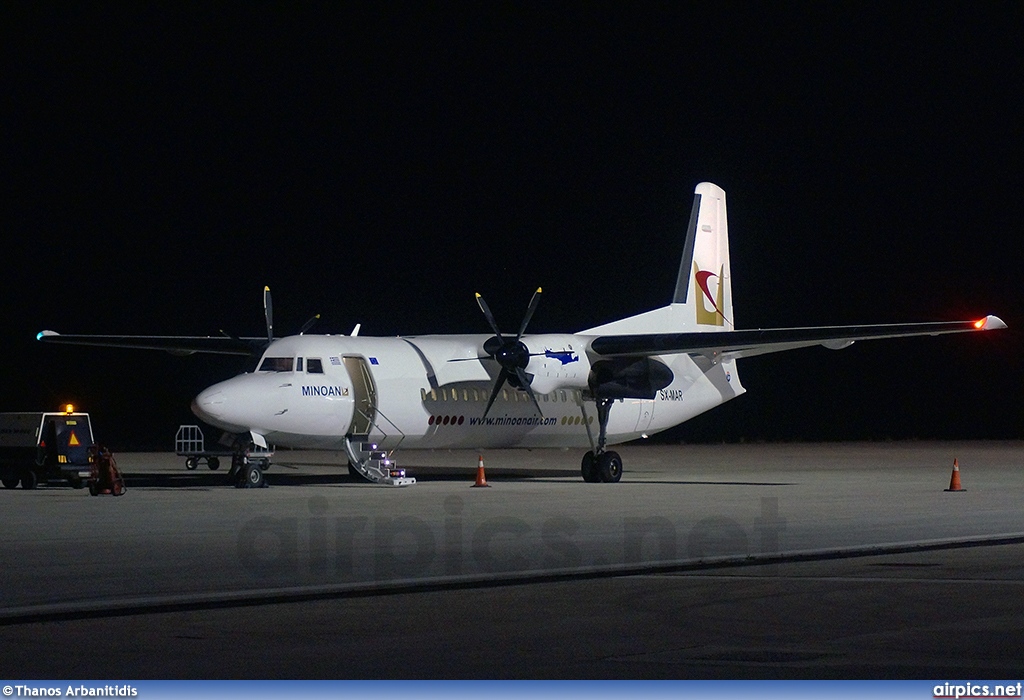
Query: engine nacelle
x=557, y=361
x=628, y=378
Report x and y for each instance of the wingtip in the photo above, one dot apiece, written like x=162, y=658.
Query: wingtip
x=990, y=323
x=46, y=334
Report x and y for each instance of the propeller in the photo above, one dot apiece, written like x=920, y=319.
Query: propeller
x=510, y=353
x=268, y=310
x=256, y=346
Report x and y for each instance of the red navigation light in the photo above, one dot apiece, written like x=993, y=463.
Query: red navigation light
x=979, y=324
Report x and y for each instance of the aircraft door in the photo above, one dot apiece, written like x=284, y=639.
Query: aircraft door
x=365, y=395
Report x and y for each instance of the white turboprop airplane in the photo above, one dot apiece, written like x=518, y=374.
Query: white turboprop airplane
x=605, y=385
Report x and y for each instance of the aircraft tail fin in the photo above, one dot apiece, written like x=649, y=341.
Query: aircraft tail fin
x=702, y=300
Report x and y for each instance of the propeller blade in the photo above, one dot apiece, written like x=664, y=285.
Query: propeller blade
x=485, y=358
x=525, y=383
x=502, y=376
x=489, y=316
x=268, y=310
x=309, y=324
x=534, y=300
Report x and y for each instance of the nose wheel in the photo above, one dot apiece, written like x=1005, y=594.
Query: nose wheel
x=246, y=473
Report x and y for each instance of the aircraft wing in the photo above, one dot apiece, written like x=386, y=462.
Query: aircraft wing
x=174, y=344
x=748, y=343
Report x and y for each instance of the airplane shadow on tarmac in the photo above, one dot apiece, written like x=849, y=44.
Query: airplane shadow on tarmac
x=281, y=478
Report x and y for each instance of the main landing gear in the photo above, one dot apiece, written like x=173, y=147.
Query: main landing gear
x=600, y=465
x=606, y=467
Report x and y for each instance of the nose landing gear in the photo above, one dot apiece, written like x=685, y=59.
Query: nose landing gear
x=247, y=473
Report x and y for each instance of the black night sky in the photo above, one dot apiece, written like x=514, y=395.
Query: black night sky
x=378, y=163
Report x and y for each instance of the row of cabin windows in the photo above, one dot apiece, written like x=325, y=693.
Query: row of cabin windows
x=314, y=365
x=482, y=395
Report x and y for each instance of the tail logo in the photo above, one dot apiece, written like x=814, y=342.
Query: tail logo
x=714, y=315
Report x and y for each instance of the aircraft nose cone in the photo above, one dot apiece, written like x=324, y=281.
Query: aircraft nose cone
x=224, y=406
x=208, y=404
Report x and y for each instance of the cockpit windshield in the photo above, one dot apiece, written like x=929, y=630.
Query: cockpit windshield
x=276, y=364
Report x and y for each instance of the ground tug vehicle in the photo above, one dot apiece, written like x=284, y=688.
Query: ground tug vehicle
x=38, y=448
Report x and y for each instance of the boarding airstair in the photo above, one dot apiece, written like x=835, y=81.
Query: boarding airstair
x=374, y=464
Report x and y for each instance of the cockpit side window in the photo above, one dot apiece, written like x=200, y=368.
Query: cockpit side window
x=276, y=364
x=314, y=365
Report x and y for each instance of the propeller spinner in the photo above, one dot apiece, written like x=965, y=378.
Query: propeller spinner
x=510, y=353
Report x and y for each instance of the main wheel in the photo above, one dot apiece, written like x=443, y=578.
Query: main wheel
x=609, y=467
x=588, y=467
x=10, y=482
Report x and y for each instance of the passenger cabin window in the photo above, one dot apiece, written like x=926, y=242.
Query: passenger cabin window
x=314, y=365
x=276, y=364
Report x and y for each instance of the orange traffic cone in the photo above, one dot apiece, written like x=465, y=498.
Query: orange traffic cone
x=481, y=480
x=954, y=481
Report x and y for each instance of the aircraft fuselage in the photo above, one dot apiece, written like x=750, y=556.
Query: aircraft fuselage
x=431, y=392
